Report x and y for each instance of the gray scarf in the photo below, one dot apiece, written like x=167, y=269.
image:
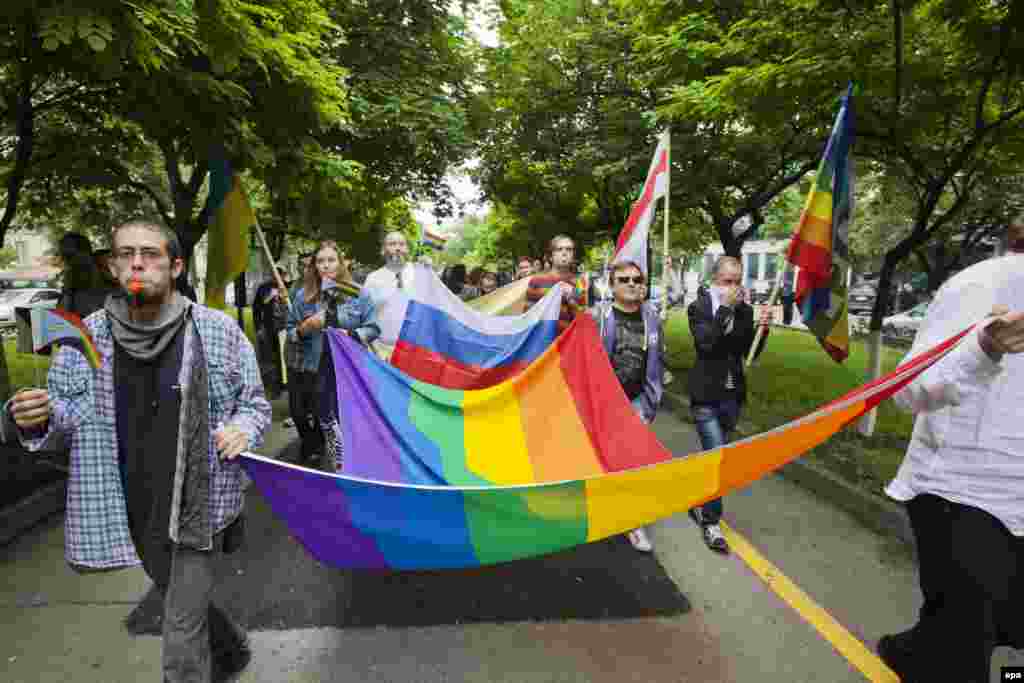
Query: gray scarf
x=145, y=341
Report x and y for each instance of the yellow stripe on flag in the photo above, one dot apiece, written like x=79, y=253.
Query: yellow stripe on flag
x=228, y=240
x=492, y=425
x=626, y=500
x=816, y=221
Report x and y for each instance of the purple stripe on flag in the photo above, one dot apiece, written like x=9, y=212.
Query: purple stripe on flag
x=364, y=429
x=316, y=509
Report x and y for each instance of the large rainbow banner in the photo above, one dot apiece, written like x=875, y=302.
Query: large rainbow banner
x=551, y=459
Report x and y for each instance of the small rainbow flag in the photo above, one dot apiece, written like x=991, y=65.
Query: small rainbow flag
x=432, y=240
x=820, y=246
x=53, y=325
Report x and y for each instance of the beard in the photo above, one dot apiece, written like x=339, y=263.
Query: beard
x=394, y=259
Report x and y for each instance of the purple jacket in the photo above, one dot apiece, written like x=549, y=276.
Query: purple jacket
x=647, y=403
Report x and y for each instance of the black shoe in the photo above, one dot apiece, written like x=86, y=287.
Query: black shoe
x=231, y=663
x=895, y=650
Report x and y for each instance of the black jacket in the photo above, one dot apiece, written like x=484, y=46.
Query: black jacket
x=719, y=352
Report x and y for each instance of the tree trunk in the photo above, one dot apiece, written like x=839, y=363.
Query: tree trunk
x=866, y=424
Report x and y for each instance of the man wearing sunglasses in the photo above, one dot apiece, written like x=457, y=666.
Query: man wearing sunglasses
x=723, y=331
x=631, y=336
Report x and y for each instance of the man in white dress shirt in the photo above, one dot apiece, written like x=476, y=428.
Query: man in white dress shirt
x=963, y=477
x=388, y=288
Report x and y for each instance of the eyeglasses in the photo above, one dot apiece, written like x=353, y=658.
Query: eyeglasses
x=635, y=280
x=149, y=255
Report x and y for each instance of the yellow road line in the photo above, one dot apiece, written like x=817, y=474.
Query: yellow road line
x=866, y=661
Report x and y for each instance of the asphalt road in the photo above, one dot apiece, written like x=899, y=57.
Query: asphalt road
x=684, y=614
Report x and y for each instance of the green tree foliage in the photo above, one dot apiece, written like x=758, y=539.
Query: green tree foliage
x=941, y=87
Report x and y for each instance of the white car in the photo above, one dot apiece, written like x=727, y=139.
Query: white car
x=905, y=325
x=21, y=298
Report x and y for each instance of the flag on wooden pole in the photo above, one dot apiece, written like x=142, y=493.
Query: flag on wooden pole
x=632, y=242
x=229, y=216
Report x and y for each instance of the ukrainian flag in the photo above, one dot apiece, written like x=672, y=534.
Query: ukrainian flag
x=229, y=216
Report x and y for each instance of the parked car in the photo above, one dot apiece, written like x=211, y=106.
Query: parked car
x=862, y=299
x=905, y=325
x=12, y=298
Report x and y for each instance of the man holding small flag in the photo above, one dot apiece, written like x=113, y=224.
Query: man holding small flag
x=155, y=423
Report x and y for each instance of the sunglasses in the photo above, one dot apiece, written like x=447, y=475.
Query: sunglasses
x=636, y=280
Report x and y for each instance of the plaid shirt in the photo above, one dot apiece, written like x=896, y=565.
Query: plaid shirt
x=82, y=417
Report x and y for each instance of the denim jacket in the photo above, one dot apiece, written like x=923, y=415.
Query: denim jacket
x=358, y=315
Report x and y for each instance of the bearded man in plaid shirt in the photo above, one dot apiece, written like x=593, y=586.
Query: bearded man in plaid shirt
x=154, y=433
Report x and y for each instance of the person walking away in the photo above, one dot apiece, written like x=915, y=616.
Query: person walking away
x=84, y=290
x=154, y=433
x=269, y=316
x=723, y=330
x=961, y=478
x=631, y=333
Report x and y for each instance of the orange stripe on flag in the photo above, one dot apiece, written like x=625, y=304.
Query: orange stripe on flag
x=748, y=461
x=816, y=229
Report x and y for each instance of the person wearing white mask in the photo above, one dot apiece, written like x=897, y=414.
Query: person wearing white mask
x=723, y=331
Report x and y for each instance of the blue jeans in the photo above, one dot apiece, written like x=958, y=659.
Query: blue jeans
x=715, y=422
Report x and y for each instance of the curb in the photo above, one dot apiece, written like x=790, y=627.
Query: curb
x=28, y=512
x=876, y=513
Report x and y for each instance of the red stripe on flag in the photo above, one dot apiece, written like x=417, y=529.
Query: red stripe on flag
x=644, y=203
x=591, y=380
x=434, y=368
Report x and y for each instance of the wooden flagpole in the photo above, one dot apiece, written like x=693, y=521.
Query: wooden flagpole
x=772, y=299
x=283, y=334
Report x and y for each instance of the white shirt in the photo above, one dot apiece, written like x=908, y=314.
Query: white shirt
x=382, y=283
x=389, y=303
x=968, y=440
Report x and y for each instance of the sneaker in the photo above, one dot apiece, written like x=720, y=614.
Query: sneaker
x=229, y=665
x=895, y=651
x=288, y=423
x=638, y=537
x=695, y=515
x=715, y=539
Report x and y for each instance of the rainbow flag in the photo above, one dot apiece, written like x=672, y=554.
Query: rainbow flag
x=820, y=245
x=432, y=240
x=447, y=479
x=229, y=216
x=49, y=326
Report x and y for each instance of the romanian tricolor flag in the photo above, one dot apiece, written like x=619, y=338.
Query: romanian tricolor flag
x=820, y=242
x=553, y=458
x=229, y=216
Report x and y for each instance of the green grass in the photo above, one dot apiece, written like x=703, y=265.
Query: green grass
x=793, y=377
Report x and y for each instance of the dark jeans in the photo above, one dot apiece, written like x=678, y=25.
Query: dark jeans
x=971, y=571
x=304, y=406
x=715, y=422
x=195, y=630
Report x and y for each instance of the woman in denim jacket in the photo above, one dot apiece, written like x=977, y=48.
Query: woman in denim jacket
x=313, y=308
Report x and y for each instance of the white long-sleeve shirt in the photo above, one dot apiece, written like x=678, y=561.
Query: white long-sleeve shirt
x=968, y=439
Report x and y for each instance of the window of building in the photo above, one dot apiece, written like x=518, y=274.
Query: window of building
x=753, y=268
x=771, y=266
